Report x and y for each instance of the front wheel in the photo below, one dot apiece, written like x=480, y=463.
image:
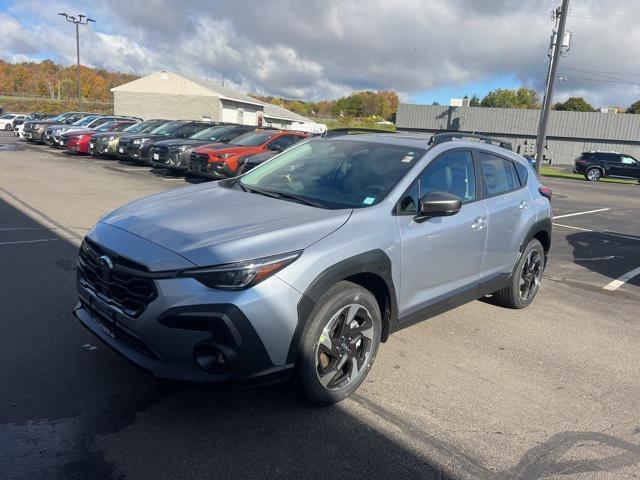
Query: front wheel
x=593, y=174
x=338, y=344
x=8, y=127
x=525, y=281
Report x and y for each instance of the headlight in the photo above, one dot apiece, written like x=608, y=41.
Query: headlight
x=111, y=138
x=241, y=275
x=140, y=141
x=225, y=155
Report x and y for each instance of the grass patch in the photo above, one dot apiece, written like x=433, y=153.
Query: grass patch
x=552, y=172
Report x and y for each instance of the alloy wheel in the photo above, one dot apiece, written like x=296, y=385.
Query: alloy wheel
x=593, y=174
x=530, y=275
x=344, y=348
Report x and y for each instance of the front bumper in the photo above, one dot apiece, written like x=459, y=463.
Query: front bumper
x=172, y=160
x=215, y=171
x=135, y=152
x=178, y=333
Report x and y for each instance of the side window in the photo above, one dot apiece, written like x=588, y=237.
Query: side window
x=497, y=174
x=523, y=173
x=451, y=173
x=629, y=160
x=612, y=157
x=284, y=141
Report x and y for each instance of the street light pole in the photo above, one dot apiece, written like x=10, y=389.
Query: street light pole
x=556, y=50
x=77, y=21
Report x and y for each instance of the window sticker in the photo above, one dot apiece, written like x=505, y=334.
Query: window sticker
x=369, y=200
x=408, y=158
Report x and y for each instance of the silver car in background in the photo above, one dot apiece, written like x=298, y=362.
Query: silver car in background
x=306, y=263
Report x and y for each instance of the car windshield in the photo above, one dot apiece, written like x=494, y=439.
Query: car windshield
x=167, y=129
x=83, y=122
x=140, y=127
x=105, y=127
x=334, y=173
x=213, y=133
x=122, y=127
x=253, y=139
x=7, y=117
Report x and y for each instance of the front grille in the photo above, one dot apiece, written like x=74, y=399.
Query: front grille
x=123, y=143
x=128, y=292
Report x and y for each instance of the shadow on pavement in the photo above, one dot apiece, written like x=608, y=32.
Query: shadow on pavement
x=606, y=253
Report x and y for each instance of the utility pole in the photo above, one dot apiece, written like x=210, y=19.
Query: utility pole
x=557, y=39
x=77, y=21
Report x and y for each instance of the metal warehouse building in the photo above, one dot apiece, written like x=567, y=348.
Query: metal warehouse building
x=569, y=133
x=168, y=95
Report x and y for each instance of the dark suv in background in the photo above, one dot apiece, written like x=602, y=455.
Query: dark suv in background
x=174, y=154
x=107, y=143
x=136, y=147
x=597, y=165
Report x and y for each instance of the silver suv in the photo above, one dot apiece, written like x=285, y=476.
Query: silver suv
x=306, y=263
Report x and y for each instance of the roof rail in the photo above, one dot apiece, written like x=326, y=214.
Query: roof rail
x=450, y=136
x=334, y=132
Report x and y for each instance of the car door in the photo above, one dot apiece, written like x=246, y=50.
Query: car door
x=628, y=167
x=510, y=213
x=441, y=256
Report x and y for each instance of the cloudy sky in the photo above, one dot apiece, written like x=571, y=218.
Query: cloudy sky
x=427, y=50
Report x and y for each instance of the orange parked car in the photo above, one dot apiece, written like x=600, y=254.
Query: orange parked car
x=221, y=160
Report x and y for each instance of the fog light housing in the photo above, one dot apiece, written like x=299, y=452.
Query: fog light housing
x=214, y=358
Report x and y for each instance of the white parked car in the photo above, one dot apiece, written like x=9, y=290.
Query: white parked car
x=7, y=121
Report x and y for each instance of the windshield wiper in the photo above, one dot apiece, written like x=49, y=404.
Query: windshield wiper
x=300, y=199
x=281, y=195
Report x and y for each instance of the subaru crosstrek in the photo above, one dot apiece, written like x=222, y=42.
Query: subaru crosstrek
x=307, y=262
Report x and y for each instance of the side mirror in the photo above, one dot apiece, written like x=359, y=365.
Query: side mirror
x=438, y=204
x=275, y=148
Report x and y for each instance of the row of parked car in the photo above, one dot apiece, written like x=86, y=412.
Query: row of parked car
x=15, y=121
x=195, y=148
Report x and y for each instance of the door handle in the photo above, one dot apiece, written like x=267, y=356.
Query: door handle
x=523, y=204
x=478, y=223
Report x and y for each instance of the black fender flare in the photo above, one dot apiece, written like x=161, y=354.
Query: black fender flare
x=375, y=262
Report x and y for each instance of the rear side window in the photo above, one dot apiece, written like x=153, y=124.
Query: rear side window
x=522, y=172
x=497, y=174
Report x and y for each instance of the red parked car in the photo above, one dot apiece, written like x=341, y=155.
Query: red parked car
x=221, y=160
x=78, y=141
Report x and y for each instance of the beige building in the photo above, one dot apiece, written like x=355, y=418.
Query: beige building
x=168, y=95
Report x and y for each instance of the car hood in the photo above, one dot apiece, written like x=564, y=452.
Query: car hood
x=182, y=141
x=209, y=224
x=78, y=131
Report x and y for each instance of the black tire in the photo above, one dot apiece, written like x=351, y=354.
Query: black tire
x=8, y=127
x=512, y=296
x=333, y=309
x=593, y=174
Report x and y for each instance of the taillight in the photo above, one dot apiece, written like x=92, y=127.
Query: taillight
x=581, y=161
x=545, y=192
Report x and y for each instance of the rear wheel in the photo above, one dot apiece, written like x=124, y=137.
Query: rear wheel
x=339, y=344
x=525, y=281
x=8, y=127
x=593, y=174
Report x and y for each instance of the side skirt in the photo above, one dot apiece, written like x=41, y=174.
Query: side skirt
x=452, y=301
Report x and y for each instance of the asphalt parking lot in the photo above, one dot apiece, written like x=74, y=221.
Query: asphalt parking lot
x=480, y=392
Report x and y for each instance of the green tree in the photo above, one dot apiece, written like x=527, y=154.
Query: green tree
x=634, y=108
x=506, y=98
x=474, y=101
x=574, y=104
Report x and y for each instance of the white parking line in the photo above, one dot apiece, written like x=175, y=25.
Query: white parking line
x=621, y=235
x=582, y=213
x=35, y=241
x=571, y=227
x=617, y=283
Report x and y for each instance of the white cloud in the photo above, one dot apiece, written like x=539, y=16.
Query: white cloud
x=318, y=49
